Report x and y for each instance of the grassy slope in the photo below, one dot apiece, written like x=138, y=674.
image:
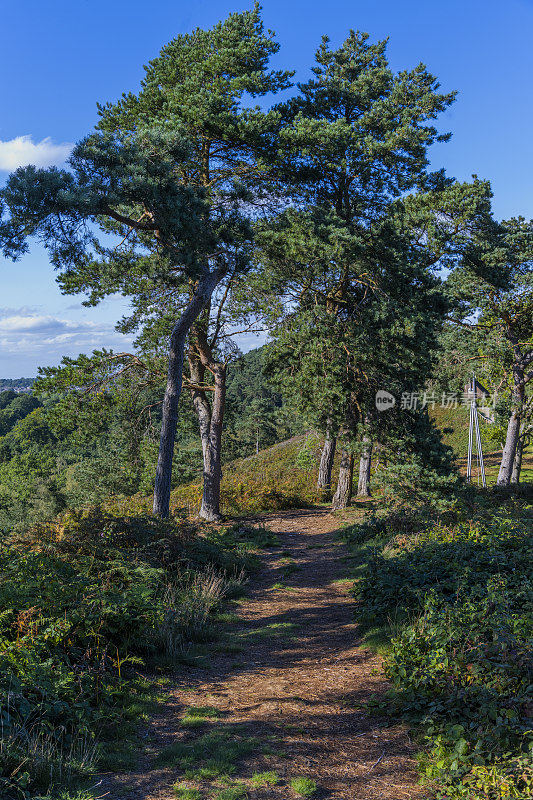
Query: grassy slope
x=453, y=422
x=282, y=476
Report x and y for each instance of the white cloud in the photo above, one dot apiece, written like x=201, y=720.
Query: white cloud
x=29, y=340
x=22, y=150
x=42, y=324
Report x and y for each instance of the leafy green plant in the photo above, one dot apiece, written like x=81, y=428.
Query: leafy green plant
x=460, y=659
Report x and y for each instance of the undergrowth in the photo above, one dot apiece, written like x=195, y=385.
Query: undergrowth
x=85, y=603
x=455, y=601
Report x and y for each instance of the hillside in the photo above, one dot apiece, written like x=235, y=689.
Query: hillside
x=281, y=476
x=453, y=423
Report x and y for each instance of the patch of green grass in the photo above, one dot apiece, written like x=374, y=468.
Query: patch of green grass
x=255, y=536
x=226, y=617
x=275, y=629
x=304, y=787
x=213, y=755
x=235, y=792
x=283, y=587
x=260, y=779
x=199, y=715
x=289, y=568
x=228, y=647
x=183, y=792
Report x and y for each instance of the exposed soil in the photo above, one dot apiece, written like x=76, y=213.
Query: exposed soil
x=297, y=690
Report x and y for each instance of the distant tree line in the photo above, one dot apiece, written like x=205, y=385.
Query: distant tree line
x=16, y=383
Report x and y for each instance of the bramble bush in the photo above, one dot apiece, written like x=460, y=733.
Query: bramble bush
x=84, y=600
x=461, y=661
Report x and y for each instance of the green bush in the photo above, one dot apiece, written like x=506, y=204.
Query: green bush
x=81, y=600
x=461, y=662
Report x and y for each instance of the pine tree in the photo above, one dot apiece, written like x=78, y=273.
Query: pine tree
x=495, y=284
x=353, y=141
x=169, y=173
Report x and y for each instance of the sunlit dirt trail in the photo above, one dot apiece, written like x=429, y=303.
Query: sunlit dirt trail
x=293, y=676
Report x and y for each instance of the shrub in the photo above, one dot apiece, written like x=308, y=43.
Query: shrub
x=461, y=662
x=81, y=600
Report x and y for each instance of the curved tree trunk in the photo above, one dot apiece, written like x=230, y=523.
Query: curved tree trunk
x=163, y=475
x=343, y=493
x=326, y=463
x=210, y=509
x=517, y=464
x=210, y=416
x=365, y=462
x=513, y=432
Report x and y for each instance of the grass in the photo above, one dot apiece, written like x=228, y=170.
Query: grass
x=273, y=630
x=199, y=715
x=289, y=568
x=213, y=755
x=304, y=787
x=262, y=779
x=283, y=586
x=273, y=479
x=182, y=792
x=235, y=792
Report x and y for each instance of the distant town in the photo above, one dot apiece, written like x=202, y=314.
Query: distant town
x=18, y=385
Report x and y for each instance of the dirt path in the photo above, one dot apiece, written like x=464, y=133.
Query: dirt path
x=285, y=691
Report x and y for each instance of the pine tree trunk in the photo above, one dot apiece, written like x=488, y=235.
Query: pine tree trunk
x=210, y=419
x=343, y=494
x=326, y=464
x=513, y=432
x=210, y=509
x=363, y=488
x=163, y=475
x=517, y=464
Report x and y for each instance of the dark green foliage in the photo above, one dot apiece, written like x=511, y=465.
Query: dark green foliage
x=81, y=600
x=14, y=407
x=460, y=599
x=256, y=415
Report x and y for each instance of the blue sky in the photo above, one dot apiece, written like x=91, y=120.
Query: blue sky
x=60, y=57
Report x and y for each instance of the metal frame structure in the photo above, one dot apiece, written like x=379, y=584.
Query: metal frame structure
x=474, y=427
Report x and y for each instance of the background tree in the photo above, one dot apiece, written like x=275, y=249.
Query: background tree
x=354, y=139
x=493, y=292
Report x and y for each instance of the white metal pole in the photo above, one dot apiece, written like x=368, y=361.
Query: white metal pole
x=479, y=448
x=470, y=438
